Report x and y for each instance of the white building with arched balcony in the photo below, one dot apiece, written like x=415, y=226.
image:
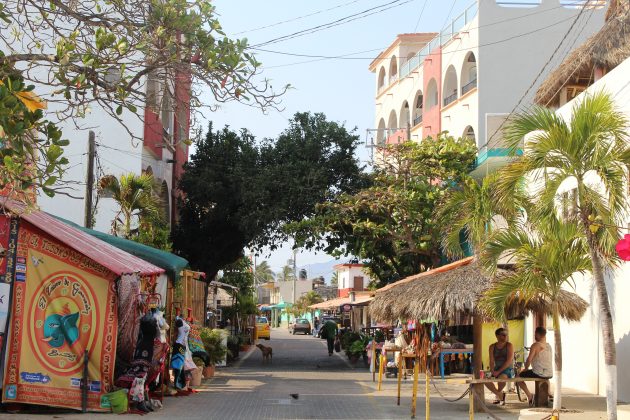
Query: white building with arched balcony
x=468, y=77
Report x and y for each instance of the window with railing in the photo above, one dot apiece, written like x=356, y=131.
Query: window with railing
x=417, y=120
x=469, y=86
x=450, y=99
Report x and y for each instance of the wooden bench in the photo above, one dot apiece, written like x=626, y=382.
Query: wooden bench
x=541, y=393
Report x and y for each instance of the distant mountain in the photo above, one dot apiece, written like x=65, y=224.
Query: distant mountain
x=321, y=269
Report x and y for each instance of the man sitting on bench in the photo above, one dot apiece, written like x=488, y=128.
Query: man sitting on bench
x=540, y=360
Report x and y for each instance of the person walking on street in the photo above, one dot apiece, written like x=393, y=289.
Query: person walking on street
x=330, y=330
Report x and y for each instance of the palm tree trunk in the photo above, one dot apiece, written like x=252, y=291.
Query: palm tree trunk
x=557, y=393
x=605, y=315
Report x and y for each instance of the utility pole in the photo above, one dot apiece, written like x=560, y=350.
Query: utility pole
x=89, y=184
x=294, y=273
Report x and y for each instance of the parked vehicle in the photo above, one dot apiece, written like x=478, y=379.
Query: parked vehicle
x=300, y=325
x=263, y=329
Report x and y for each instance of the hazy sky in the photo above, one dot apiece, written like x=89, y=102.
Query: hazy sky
x=343, y=89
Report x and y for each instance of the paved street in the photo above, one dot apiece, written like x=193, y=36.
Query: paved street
x=327, y=388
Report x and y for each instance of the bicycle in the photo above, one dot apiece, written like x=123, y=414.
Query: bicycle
x=519, y=362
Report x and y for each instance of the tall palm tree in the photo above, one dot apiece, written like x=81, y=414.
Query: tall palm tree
x=136, y=197
x=286, y=274
x=263, y=273
x=591, y=152
x=545, y=260
x=470, y=212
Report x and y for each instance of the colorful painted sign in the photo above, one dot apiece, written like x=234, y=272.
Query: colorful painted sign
x=8, y=244
x=64, y=306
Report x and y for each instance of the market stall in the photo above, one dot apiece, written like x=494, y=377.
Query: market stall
x=64, y=310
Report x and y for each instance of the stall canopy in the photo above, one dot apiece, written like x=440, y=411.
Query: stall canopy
x=114, y=259
x=171, y=263
x=455, y=289
x=359, y=300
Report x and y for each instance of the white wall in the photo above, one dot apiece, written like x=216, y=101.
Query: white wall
x=515, y=43
x=346, y=275
x=581, y=341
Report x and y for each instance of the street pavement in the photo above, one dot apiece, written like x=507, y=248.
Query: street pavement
x=326, y=387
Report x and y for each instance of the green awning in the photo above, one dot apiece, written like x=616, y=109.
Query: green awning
x=170, y=262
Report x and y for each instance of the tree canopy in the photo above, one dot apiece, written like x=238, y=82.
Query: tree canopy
x=391, y=224
x=240, y=193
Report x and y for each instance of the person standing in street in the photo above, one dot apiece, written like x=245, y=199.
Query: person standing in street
x=330, y=331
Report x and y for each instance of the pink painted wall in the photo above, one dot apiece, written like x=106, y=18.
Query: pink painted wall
x=153, y=132
x=431, y=118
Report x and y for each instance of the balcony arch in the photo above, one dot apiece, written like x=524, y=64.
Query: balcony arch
x=405, y=115
x=393, y=69
x=381, y=78
x=381, y=132
x=449, y=92
x=469, y=73
x=417, y=109
x=392, y=121
x=431, y=98
x=469, y=133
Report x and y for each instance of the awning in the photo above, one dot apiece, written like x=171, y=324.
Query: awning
x=171, y=263
x=337, y=302
x=110, y=257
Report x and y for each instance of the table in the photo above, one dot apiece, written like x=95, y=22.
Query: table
x=452, y=351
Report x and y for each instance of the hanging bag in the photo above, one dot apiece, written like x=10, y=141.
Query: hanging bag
x=337, y=345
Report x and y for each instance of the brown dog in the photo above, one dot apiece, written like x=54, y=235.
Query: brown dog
x=267, y=352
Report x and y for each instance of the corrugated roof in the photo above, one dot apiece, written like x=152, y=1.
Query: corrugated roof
x=173, y=264
x=110, y=257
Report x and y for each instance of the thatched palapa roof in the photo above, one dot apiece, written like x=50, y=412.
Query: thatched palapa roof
x=606, y=49
x=453, y=291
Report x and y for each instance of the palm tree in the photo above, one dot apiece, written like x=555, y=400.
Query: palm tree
x=545, y=260
x=135, y=194
x=591, y=152
x=470, y=212
x=286, y=274
x=334, y=280
x=263, y=273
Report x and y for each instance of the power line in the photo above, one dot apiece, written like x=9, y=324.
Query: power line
x=323, y=57
x=341, y=21
x=295, y=18
x=420, y=17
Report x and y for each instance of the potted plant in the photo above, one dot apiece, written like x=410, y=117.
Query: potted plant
x=232, y=348
x=355, y=350
x=212, y=341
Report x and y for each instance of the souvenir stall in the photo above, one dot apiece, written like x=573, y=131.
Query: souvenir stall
x=65, y=311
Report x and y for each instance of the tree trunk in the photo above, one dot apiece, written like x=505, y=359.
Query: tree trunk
x=557, y=393
x=478, y=389
x=605, y=315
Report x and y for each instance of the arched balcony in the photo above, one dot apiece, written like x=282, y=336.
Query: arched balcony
x=381, y=133
x=381, y=79
x=449, y=93
x=405, y=115
x=469, y=73
x=392, y=121
x=469, y=133
x=417, y=110
x=431, y=98
x=393, y=69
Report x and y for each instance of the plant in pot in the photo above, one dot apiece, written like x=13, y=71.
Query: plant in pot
x=355, y=350
x=212, y=341
x=232, y=348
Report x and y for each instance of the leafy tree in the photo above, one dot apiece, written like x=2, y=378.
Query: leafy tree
x=391, y=224
x=263, y=273
x=592, y=152
x=107, y=54
x=239, y=274
x=546, y=255
x=136, y=198
x=31, y=147
x=239, y=193
x=334, y=279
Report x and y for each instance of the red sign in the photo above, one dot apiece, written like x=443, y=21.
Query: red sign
x=347, y=308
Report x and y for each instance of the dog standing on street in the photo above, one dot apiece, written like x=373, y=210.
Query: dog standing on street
x=267, y=352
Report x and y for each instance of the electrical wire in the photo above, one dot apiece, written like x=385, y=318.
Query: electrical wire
x=341, y=21
x=271, y=25
x=415, y=29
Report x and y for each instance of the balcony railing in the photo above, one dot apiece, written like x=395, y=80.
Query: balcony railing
x=450, y=99
x=417, y=120
x=442, y=38
x=469, y=86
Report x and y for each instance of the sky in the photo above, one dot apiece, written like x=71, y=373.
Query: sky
x=343, y=89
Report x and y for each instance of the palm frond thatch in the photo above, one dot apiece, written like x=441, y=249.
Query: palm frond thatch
x=452, y=293
x=606, y=49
